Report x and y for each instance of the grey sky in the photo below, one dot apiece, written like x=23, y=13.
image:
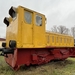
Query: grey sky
x=58, y=12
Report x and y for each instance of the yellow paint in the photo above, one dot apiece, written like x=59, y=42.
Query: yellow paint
x=1, y=43
x=62, y=41
x=30, y=35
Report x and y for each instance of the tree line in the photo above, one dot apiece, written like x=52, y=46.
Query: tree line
x=64, y=30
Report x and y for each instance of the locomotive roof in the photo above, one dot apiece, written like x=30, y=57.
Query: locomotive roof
x=31, y=10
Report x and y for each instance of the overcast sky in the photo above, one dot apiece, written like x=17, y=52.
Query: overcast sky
x=58, y=12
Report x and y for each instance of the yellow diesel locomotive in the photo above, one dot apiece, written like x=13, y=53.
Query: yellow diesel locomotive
x=27, y=29
x=27, y=41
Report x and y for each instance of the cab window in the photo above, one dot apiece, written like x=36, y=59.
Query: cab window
x=38, y=20
x=28, y=17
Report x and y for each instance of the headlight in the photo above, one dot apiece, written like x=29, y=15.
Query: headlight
x=6, y=21
x=12, y=43
x=12, y=12
x=3, y=44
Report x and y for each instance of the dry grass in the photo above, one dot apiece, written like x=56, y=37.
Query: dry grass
x=66, y=67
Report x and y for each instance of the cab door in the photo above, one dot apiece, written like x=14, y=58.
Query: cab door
x=27, y=29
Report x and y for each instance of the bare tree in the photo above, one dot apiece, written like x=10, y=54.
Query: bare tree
x=67, y=31
x=54, y=28
x=73, y=31
x=60, y=29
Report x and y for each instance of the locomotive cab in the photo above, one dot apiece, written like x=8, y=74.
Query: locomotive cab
x=25, y=29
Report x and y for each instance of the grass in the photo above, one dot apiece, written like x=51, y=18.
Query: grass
x=66, y=67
